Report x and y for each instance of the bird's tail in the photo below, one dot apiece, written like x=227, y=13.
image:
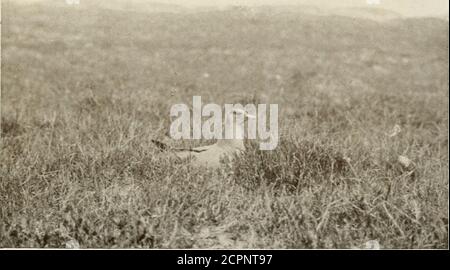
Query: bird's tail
x=162, y=146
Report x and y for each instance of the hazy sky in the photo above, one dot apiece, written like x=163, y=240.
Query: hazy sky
x=404, y=7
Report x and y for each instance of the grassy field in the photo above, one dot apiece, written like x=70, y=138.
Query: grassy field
x=85, y=90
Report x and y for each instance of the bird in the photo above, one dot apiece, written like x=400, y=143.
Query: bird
x=210, y=156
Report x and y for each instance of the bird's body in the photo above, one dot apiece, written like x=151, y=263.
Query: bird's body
x=209, y=156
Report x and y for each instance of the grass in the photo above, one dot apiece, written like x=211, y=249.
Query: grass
x=85, y=90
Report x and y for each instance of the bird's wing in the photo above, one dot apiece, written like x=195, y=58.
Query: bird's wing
x=185, y=154
x=202, y=148
x=208, y=155
x=193, y=152
x=164, y=147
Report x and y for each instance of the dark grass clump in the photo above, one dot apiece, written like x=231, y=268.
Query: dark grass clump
x=11, y=127
x=73, y=225
x=292, y=166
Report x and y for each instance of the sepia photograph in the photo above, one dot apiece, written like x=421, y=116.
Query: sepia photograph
x=224, y=125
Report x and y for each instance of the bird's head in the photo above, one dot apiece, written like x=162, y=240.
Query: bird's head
x=236, y=112
x=236, y=122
